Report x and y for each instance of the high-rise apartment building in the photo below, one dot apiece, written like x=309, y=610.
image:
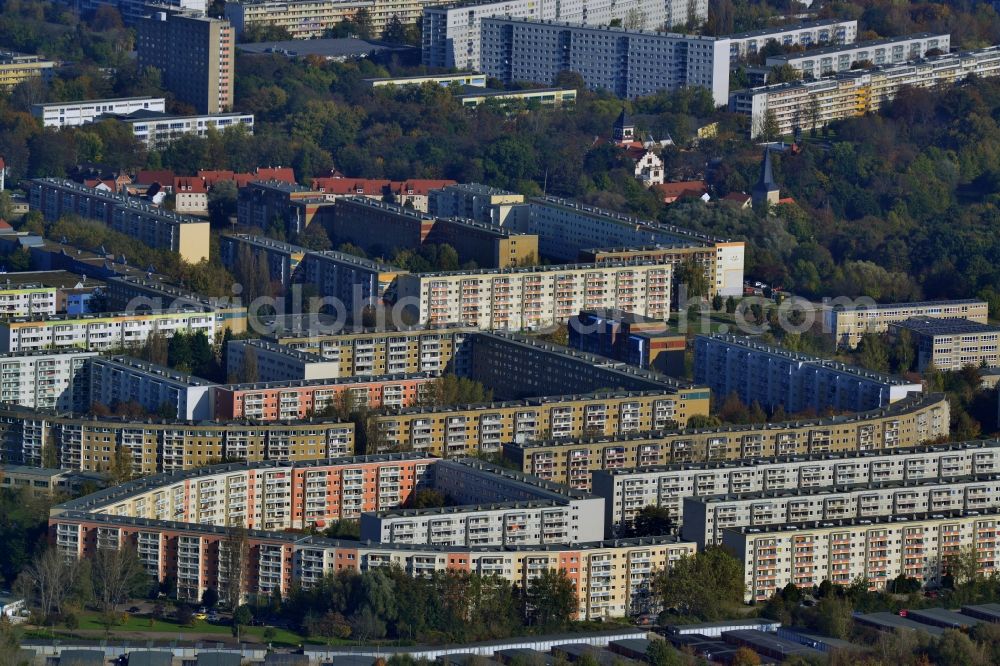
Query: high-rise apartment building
x=452, y=38
x=629, y=63
x=194, y=54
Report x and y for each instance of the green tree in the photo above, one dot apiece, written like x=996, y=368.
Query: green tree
x=705, y=585
x=241, y=618
x=550, y=600
x=121, y=468
x=222, y=202
x=652, y=520
x=873, y=353
x=745, y=656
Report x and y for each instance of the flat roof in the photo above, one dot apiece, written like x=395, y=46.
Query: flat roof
x=426, y=77
x=772, y=642
x=58, y=279
x=891, y=621
x=945, y=326
x=791, y=27
x=604, y=28
x=854, y=46
x=911, y=304
x=944, y=617
x=106, y=100
x=345, y=47
x=331, y=381
x=754, y=345
x=839, y=523
x=154, y=370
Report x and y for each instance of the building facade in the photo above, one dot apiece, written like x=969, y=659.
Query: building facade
x=488, y=427
x=303, y=19
x=154, y=226
x=629, y=338
x=950, y=344
x=628, y=63
x=23, y=300
x=814, y=104
x=705, y=518
x=158, y=130
x=772, y=377
x=72, y=114
x=626, y=491
x=155, y=388
x=848, y=323
x=18, y=67
x=100, y=332
x=276, y=363
x=813, y=33
x=917, y=546
x=816, y=63
x=155, y=446
x=452, y=33
x=534, y=297
x=572, y=458
x=194, y=53
x=46, y=379
x=291, y=400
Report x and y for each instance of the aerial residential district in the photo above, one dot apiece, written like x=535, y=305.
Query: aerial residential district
x=524, y=332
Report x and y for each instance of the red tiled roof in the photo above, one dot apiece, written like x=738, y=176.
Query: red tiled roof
x=739, y=197
x=377, y=187
x=420, y=186
x=94, y=182
x=161, y=176
x=284, y=174
x=212, y=177
x=4, y=225
x=674, y=190
x=189, y=184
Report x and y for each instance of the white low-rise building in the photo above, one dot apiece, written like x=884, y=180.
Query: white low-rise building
x=81, y=112
x=277, y=363
x=809, y=34
x=157, y=130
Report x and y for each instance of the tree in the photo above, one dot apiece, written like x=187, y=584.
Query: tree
x=395, y=31
x=48, y=580
x=661, y=653
x=955, y=648
x=363, y=23
x=903, y=353
x=550, y=600
x=873, y=353
x=235, y=556
x=692, y=275
x=652, y=520
x=209, y=598
x=731, y=305
x=121, y=469
x=717, y=302
x=118, y=575
x=703, y=585
x=184, y=614
x=241, y=618
x=222, y=202
x=314, y=237
x=745, y=656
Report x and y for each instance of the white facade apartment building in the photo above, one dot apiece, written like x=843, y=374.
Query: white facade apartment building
x=27, y=299
x=452, y=37
x=808, y=104
x=831, y=31
x=154, y=387
x=848, y=323
x=72, y=114
x=877, y=549
x=629, y=63
x=46, y=379
x=836, y=59
x=774, y=376
x=159, y=130
x=101, y=331
x=705, y=518
x=501, y=524
x=627, y=491
x=535, y=297
x=278, y=363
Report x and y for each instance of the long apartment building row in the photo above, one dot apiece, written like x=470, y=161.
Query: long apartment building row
x=847, y=323
x=101, y=332
x=378, y=227
x=611, y=578
x=809, y=104
x=134, y=293
x=310, y=19
x=920, y=546
x=452, y=34
x=486, y=428
x=835, y=59
x=628, y=62
x=705, y=518
x=272, y=495
x=155, y=445
x=774, y=377
x=571, y=231
x=534, y=297
x=495, y=507
x=362, y=352
x=807, y=35
x=907, y=423
x=157, y=228
x=627, y=491
x=81, y=112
